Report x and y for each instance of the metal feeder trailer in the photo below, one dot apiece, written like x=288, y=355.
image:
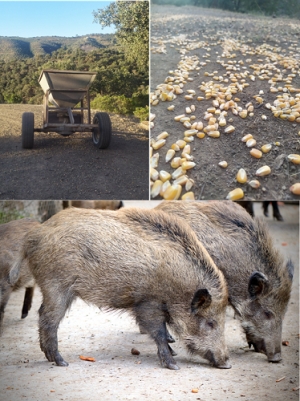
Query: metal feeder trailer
x=64, y=90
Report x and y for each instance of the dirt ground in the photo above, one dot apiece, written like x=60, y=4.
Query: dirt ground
x=119, y=375
x=72, y=167
x=271, y=45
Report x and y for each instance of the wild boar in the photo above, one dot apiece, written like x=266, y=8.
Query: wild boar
x=142, y=261
x=11, y=239
x=259, y=282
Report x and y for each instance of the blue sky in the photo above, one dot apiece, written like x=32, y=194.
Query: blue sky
x=54, y=18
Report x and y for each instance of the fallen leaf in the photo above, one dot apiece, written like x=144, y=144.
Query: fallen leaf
x=296, y=388
x=285, y=343
x=195, y=390
x=87, y=358
x=134, y=351
x=284, y=243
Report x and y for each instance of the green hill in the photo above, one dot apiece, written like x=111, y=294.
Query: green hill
x=12, y=48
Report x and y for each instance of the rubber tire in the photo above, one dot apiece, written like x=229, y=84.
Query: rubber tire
x=27, y=130
x=102, y=137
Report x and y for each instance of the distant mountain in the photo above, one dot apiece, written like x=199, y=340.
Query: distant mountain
x=18, y=48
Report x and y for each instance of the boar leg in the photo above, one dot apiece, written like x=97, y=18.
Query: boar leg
x=151, y=318
x=170, y=339
x=27, y=301
x=51, y=313
x=5, y=292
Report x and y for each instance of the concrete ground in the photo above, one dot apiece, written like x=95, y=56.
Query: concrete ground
x=118, y=375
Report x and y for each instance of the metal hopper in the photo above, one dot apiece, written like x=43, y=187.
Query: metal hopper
x=65, y=90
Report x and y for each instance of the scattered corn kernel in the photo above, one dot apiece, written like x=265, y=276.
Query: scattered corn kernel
x=251, y=142
x=188, y=196
x=247, y=137
x=254, y=183
x=229, y=129
x=295, y=189
x=266, y=148
x=170, y=154
x=156, y=188
x=256, y=153
x=158, y=144
x=236, y=194
x=173, y=192
x=223, y=164
x=265, y=170
x=241, y=176
x=294, y=158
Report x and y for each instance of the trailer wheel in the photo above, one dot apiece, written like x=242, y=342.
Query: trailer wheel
x=102, y=134
x=27, y=130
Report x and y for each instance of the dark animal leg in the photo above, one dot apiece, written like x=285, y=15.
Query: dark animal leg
x=27, y=301
x=151, y=320
x=51, y=313
x=5, y=292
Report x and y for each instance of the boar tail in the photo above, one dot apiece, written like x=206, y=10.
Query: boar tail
x=14, y=272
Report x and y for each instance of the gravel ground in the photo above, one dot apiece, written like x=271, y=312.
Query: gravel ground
x=72, y=167
x=224, y=44
x=119, y=375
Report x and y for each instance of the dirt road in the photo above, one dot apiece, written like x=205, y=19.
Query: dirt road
x=72, y=167
x=119, y=375
x=247, y=61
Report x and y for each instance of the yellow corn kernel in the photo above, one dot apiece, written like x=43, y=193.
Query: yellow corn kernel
x=188, y=138
x=156, y=188
x=178, y=172
x=181, y=143
x=294, y=158
x=265, y=170
x=188, y=165
x=182, y=180
x=176, y=162
x=266, y=148
x=153, y=174
x=251, y=142
x=243, y=114
x=187, y=149
x=158, y=144
x=171, y=108
x=190, y=182
x=236, y=194
x=254, y=183
x=247, y=137
x=178, y=118
x=241, y=176
x=188, y=196
x=295, y=189
x=214, y=134
x=200, y=135
x=190, y=132
x=175, y=147
x=223, y=164
x=164, y=175
x=173, y=192
x=163, y=135
x=256, y=153
x=170, y=154
x=229, y=129
x=164, y=187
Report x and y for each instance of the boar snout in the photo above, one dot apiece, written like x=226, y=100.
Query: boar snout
x=273, y=355
x=221, y=362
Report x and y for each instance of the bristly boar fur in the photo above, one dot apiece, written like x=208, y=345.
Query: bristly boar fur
x=142, y=261
x=11, y=240
x=259, y=282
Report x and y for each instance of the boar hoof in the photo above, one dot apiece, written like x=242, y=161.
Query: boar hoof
x=24, y=315
x=275, y=358
x=172, y=366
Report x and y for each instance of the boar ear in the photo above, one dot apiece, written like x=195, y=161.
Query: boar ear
x=258, y=283
x=201, y=299
x=290, y=269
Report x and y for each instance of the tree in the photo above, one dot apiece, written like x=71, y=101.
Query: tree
x=131, y=19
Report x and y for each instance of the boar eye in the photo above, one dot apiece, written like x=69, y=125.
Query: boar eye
x=268, y=314
x=210, y=323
